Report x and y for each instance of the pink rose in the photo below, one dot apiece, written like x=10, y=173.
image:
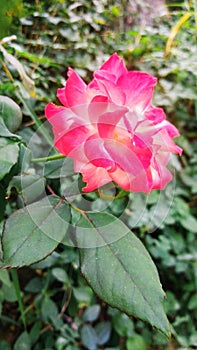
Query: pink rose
x=111, y=129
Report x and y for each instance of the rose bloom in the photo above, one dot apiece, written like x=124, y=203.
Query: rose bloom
x=111, y=129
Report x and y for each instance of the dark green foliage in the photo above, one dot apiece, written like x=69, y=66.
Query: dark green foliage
x=9, y=10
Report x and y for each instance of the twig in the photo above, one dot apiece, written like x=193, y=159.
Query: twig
x=7, y=39
x=69, y=292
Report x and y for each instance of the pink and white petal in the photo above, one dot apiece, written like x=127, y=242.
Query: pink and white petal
x=98, y=105
x=63, y=118
x=69, y=130
x=82, y=113
x=131, y=120
x=80, y=163
x=158, y=134
x=146, y=128
x=97, y=154
x=138, y=89
x=153, y=178
x=145, y=181
x=93, y=86
x=130, y=160
x=105, y=75
x=161, y=177
x=113, y=115
x=107, y=122
x=151, y=128
x=51, y=110
x=75, y=89
x=140, y=183
x=122, y=179
x=155, y=114
x=171, y=129
x=110, y=89
x=162, y=157
x=61, y=95
x=114, y=65
x=94, y=176
x=165, y=142
x=145, y=155
x=70, y=142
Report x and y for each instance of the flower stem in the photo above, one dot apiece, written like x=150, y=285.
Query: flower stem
x=18, y=294
x=80, y=211
x=46, y=159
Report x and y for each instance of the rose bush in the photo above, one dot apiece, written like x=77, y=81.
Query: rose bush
x=111, y=129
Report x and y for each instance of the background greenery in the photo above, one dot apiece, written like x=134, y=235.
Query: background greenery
x=58, y=310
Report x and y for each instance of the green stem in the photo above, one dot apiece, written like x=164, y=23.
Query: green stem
x=45, y=159
x=18, y=294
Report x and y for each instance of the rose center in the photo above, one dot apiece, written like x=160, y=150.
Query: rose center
x=121, y=136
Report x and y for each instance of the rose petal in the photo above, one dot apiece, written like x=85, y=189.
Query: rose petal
x=69, y=141
x=112, y=90
x=113, y=65
x=94, y=176
x=51, y=109
x=61, y=95
x=166, y=143
x=97, y=154
x=131, y=160
x=75, y=89
x=140, y=183
x=155, y=114
x=161, y=177
x=69, y=130
x=171, y=129
x=122, y=178
x=138, y=89
x=107, y=122
x=98, y=106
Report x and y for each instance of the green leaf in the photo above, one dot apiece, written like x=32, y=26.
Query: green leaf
x=5, y=132
x=61, y=167
x=123, y=325
x=89, y=337
x=60, y=274
x=29, y=186
x=4, y=345
x=103, y=331
x=35, y=332
x=11, y=113
x=49, y=309
x=9, y=292
x=83, y=294
x=119, y=269
x=189, y=222
x=9, y=152
x=32, y=233
x=23, y=342
x=192, y=305
x=28, y=83
x=91, y=313
x=137, y=343
x=5, y=278
x=35, y=285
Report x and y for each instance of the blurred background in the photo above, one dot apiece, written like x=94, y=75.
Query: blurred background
x=39, y=40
